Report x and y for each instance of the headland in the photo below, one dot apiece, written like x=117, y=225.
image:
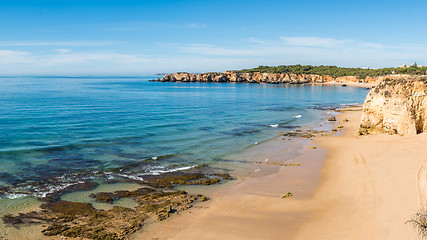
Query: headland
x=300, y=74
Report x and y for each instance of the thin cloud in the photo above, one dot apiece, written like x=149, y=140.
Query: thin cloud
x=136, y=26
x=195, y=25
x=332, y=43
x=59, y=43
x=63, y=50
x=314, y=50
x=314, y=42
x=9, y=57
x=208, y=49
x=66, y=56
x=209, y=57
x=87, y=57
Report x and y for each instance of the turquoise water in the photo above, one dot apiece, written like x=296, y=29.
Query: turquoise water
x=56, y=131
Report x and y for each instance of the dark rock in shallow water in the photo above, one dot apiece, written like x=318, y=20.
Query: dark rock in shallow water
x=81, y=220
x=184, y=178
x=288, y=126
x=9, y=178
x=56, y=167
x=206, y=128
x=85, y=186
x=298, y=134
x=102, y=197
x=74, y=163
x=3, y=190
x=108, y=197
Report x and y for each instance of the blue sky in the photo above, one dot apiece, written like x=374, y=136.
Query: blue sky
x=134, y=38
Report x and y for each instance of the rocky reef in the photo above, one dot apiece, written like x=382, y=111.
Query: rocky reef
x=157, y=199
x=397, y=106
x=257, y=77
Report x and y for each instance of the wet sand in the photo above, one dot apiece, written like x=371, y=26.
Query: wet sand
x=365, y=189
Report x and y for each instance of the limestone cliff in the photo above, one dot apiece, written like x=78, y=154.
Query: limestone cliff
x=257, y=77
x=396, y=105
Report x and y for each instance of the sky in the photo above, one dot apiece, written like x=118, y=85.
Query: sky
x=141, y=38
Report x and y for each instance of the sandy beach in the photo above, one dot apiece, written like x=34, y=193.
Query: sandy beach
x=350, y=187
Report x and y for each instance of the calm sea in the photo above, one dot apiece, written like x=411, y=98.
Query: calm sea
x=54, y=129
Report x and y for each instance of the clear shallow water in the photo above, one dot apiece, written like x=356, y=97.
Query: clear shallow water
x=53, y=129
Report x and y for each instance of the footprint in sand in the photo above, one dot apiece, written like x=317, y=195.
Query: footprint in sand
x=422, y=186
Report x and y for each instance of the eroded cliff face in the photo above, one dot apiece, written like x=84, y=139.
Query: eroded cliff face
x=257, y=77
x=396, y=105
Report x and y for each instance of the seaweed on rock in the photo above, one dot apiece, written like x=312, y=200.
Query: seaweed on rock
x=81, y=220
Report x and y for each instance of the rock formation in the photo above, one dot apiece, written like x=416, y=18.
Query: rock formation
x=257, y=77
x=396, y=105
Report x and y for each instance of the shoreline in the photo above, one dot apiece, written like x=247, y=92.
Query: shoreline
x=350, y=84
x=254, y=199
x=77, y=196
x=365, y=188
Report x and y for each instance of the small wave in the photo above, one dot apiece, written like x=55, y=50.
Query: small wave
x=16, y=195
x=133, y=177
x=158, y=172
x=298, y=116
x=274, y=125
x=350, y=104
x=43, y=192
x=109, y=175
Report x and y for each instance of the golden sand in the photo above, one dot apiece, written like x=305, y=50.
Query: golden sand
x=365, y=189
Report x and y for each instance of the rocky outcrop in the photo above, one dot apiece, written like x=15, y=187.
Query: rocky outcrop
x=397, y=105
x=257, y=77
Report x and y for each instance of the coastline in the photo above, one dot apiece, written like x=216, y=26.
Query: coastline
x=365, y=189
x=97, y=196
x=252, y=207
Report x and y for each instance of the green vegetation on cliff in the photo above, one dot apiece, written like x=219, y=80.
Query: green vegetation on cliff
x=335, y=71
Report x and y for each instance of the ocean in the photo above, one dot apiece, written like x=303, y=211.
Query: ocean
x=55, y=131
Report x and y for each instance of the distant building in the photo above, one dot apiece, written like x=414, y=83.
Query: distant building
x=413, y=65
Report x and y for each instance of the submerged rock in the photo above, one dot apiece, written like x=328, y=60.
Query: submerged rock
x=102, y=197
x=3, y=190
x=298, y=134
x=82, y=220
x=110, y=197
x=79, y=186
x=185, y=178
